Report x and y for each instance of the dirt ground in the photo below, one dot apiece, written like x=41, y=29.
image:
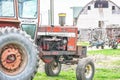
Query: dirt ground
x=102, y=61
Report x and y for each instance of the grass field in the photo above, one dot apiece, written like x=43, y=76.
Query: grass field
x=101, y=73
x=107, y=52
x=64, y=75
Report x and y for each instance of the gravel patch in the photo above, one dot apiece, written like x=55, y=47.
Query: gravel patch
x=102, y=61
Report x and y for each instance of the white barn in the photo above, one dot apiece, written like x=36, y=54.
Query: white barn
x=99, y=13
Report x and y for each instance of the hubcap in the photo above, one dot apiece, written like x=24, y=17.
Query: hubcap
x=55, y=67
x=12, y=59
x=88, y=71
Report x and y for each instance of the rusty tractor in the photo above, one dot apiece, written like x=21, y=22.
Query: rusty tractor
x=23, y=42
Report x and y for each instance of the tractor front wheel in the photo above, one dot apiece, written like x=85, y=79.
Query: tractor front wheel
x=53, y=68
x=85, y=69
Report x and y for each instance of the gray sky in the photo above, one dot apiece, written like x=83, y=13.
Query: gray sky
x=63, y=6
x=68, y=3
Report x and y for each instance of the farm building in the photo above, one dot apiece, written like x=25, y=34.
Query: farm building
x=98, y=14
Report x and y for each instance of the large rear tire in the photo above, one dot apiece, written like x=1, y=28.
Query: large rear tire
x=18, y=55
x=85, y=69
x=53, y=68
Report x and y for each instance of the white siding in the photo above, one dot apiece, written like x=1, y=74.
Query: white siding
x=91, y=19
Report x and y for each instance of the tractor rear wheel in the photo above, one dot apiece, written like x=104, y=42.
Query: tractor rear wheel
x=18, y=55
x=85, y=69
x=53, y=68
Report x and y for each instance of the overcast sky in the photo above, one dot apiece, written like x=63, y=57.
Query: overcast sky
x=63, y=6
x=68, y=3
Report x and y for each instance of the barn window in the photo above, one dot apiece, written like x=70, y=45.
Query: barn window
x=89, y=7
x=101, y=4
x=100, y=24
x=113, y=7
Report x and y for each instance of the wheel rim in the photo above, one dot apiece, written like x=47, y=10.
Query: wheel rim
x=88, y=71
x=13, y=59
x=56, y=67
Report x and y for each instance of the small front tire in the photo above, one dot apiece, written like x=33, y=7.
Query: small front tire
x=85, y=69
x=53, y=68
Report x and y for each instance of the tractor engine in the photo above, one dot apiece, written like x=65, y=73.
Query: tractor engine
x=49, y=43
x=57, y=38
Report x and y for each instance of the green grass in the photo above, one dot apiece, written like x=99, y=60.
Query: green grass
x=64, y=75
x=82, y=43
x=107, y=74
x=109, y=52
x=100, y=74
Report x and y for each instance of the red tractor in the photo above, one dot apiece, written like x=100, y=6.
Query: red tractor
x=23, y=41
